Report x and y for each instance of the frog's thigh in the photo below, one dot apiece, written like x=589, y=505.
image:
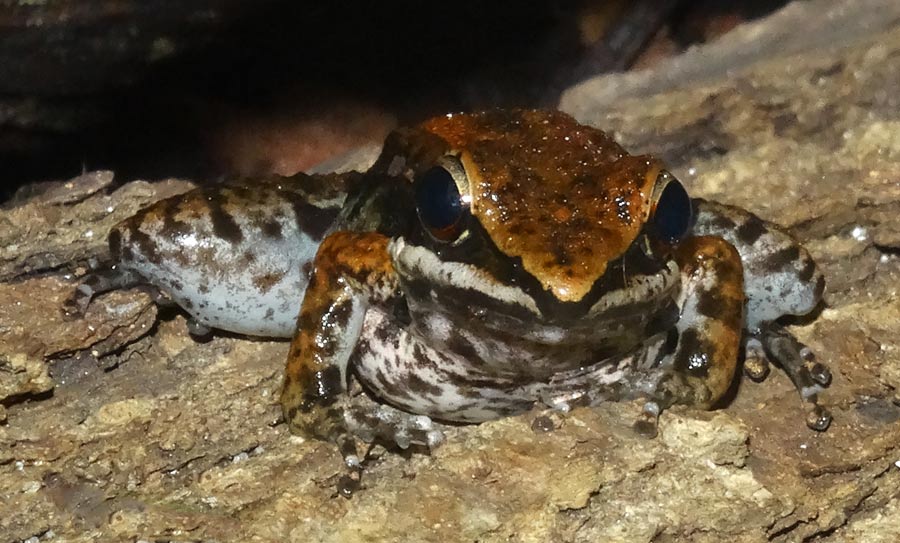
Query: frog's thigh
x=232, y=257
x=780, y=277
x=400, y=368
x=709, y=328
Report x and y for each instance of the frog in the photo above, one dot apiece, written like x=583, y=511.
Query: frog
x=487, y=264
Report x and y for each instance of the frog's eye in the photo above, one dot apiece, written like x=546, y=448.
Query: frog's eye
x=440, y=206
x=672, y=216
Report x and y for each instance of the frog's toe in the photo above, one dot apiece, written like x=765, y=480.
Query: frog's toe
x=818, y=418
x=756, y=368
x=76, y=305
x=96, y=283
x=565, y=401
x=198, y=330
x=647, y=424
x=810, y=377
x=756, y=364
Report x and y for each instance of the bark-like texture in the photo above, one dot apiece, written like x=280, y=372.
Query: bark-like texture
x=149, y=434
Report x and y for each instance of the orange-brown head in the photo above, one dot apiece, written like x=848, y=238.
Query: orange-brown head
x=562, y=197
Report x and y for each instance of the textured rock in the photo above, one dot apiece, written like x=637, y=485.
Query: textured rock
x=64, y=224
x=180, y=440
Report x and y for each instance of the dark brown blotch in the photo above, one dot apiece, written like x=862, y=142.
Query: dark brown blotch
x=807, y=270
x=146, y=245
x=393, y=389
x=716, y=305
x=306, y=321
x=266, y=281
x=461, y=346
x=314, y=221
x=172, y=228
x=783, y=259
x=820, y=287
x=384, y=334
x=722, y=222
x=340, y=313
x=306, y=269
x=271, y=228
x=470, y=386
x=223, y=223
x=421, y=387
x=560, y=255
x=751, y=230
x=324, y=388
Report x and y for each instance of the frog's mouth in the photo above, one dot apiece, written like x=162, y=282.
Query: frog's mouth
x=425, y=274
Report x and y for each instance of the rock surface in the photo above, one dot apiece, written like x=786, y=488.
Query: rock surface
x=150, y=435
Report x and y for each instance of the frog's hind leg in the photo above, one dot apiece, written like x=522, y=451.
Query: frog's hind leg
x=114, y=277
x=780, y=278
x=233, y=257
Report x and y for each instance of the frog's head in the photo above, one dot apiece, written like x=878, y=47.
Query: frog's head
x=534, y=210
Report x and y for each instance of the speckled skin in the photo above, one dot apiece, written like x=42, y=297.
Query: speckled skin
x=551, y=288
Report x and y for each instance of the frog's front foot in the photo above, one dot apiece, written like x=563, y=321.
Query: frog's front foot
x=809, y=375
x=373, y=422
x=351, y=417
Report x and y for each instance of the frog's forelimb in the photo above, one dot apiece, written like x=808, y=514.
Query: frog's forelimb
x=709, y=328
x=351, y=272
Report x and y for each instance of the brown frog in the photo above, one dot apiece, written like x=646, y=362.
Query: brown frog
x=487, y=263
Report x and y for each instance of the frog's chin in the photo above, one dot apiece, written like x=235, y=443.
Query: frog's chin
x=422, y=267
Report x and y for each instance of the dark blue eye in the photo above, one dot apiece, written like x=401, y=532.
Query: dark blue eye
x=439, y=204
x=672, y=217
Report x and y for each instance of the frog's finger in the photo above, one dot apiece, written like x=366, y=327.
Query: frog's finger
x=350, y=271
x=389, y=425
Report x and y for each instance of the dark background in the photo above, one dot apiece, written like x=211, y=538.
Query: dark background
x=154, y=89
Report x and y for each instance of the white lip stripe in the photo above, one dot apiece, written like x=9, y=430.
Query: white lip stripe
x=414, y=261
x=646, y=287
